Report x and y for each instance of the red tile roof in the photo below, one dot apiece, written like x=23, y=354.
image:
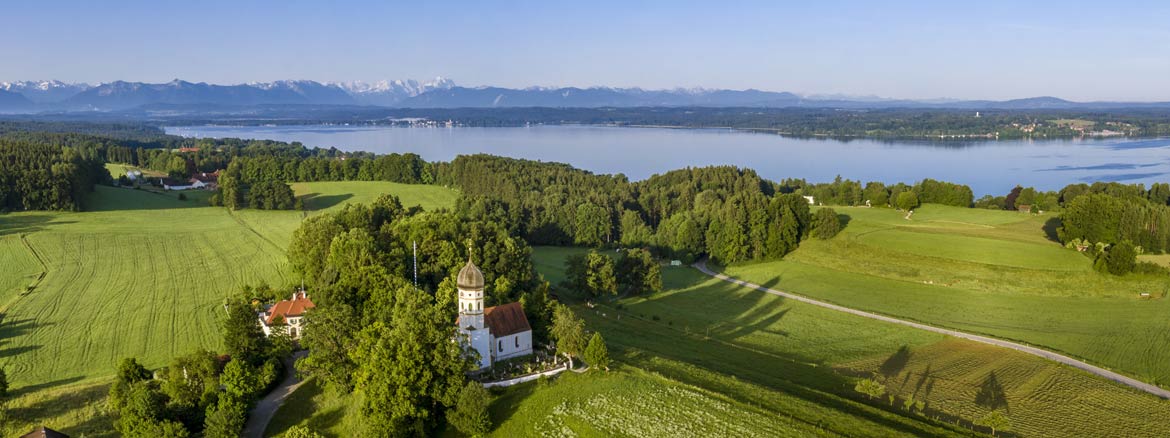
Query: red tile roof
x=505, y=320
x=290, y=308
x=44, y=432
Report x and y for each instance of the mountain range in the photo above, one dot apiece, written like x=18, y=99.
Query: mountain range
x=39, y=96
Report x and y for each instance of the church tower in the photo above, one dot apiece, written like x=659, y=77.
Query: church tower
x=470, y=285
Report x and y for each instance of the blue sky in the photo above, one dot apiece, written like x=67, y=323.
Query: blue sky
x=980, y=49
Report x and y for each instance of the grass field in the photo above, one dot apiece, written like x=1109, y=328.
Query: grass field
x=751, y=345
x=983, y=271
x=142, y=274
x=705, y=344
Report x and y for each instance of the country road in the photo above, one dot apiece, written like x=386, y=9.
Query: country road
x=261, y=414
x=1127, y=381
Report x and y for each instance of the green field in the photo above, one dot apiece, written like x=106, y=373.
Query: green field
x=142, y=274
x=988, y=272
x=751, y=345
x=794, y=362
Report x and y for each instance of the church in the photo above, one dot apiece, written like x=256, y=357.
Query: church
x=496, y=333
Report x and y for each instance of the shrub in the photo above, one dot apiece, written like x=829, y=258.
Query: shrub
x=596, y=354
x=470, y=415
x=826, y=224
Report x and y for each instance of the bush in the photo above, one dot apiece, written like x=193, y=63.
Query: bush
x=182, y=196
x=1120, y=258
x=470, y=415
x=596, y=353
x=907, y=200
x=826, y=224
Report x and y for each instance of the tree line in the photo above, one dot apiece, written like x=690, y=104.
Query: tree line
x=36, y=176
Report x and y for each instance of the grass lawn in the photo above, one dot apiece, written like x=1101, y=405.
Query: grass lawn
x=141, y=274
x=118, y=169
x=1024, y=288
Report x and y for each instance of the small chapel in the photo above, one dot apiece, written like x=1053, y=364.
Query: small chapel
x=496, y=333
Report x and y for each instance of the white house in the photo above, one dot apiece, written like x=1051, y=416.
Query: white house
x=810, y=199
x=495, y=333
x=288, y=315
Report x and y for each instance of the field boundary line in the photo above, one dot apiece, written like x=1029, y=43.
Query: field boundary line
x=36, y=284
x=1056, y=357
x=243, y=223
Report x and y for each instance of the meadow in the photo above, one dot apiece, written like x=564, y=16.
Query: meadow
x=140, y=274
x=754, y=346
x=989, y=272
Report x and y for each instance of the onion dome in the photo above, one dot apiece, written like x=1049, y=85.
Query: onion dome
x=470, y=278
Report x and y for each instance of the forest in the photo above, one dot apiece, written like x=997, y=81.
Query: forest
x=38, y=176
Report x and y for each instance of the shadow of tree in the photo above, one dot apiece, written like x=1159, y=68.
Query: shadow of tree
x=844, y=219
x=10, y=224
x=509, y=401
x=1050, y=227
x=316, y=201
x=896, y=362
x=991, y=394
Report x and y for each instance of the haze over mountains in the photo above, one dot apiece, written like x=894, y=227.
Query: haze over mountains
x=40, y=96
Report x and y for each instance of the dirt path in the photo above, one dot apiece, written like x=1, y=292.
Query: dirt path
x=1127, y=381
x=261, y=414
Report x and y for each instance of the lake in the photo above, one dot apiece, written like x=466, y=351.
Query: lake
x=989, y=167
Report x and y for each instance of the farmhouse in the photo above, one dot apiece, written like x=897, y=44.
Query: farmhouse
x=201, y=180
x=495, y=333
x=287, y=315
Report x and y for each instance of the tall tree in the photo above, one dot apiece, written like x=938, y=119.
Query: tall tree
x=242, y=337
x=596, y=353
x=569, y=332
x=408, y=370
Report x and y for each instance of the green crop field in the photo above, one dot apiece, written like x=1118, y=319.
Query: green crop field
x=988, y=272
x=141, y=274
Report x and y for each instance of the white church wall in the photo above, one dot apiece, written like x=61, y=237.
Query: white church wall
x=519, y=344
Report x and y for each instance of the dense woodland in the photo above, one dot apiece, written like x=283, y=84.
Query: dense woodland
x=38, y=176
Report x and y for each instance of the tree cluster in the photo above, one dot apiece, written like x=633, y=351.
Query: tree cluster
x=727, y=213
x=201, y=394
x=378, y=331
x=39, y=176
x=597, y=274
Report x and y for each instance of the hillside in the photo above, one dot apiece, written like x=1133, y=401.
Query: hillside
x=988, y=272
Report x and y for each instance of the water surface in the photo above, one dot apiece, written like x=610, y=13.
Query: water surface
x=989, y=167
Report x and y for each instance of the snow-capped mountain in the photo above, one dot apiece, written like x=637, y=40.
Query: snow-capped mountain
x=121, y=95
x=391, y=93
x=44, y=91
x=32, y=96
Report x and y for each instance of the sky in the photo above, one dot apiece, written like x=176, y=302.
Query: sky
x=1118, y=50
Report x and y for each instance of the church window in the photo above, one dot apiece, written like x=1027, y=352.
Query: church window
x=517, y=341
x=501, y=344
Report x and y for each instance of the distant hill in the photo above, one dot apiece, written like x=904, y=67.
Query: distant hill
x=495, y=97
x=444, y=93
x=10, y=101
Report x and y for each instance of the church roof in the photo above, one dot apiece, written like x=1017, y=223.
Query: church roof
x=505, y=320
x=286, y=308
x=44, y=432
x=470, y=278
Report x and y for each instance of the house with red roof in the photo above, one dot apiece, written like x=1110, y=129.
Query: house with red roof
x=287, y=315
